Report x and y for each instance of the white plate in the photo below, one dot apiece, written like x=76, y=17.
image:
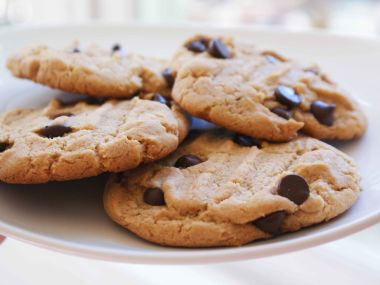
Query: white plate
x=68, y=216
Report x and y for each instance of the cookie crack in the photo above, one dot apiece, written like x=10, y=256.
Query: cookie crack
x=290, y=164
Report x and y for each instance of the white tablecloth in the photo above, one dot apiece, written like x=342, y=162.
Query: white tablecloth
x=352, y=260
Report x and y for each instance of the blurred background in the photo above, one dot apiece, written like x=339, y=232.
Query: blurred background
x=347, y=16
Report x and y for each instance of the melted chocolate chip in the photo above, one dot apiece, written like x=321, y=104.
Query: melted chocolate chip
x=169, y=78
x=96, y=100
x=272, y=223
x=287, y=96
x=73, y=99
x=295, y=188
x=161, y=99
x=218, y=49
x=199, y=124
x=54, y=131
x=197, y=46
x=246, y=140
x=70, y=100
x=75, y=50
x=323, y=112
x=154, y=197
x=118, y=177
x=4, y=146
x=116, y=47
x=60, y=115
x=188, y=160
x=283, y=113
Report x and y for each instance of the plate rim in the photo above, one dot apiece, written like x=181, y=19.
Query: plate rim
x=201, y=256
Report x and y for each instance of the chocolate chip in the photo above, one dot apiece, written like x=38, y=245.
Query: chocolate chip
x=323, y=112
x=169, y=78
x=73, y=99
x=161, y=99
x=246, y=140
x=115, y=48
x=60, y=115
x=272, y=223
x=95, y=100
x=272, y=59
x=218, y=49
x=287, y=96
x=197, y=46
x=154, y=197
x=4, y=146
x=75, y=50
x=199, y=124
x=295, y=188
x=118, y=177
x=53, y=131
x=70, y=100
x=283, y=113
x=188, y=160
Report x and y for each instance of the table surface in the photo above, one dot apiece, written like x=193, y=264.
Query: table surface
x=352, y=260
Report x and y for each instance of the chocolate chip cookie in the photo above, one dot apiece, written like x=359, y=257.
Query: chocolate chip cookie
x=224, y=190
x=260, y=93
x=92, y=71
x=80, y=138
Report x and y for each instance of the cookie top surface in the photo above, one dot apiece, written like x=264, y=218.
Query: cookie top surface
x=92, y=71
x=215, y=192
x=71, y=141
x=260, y=93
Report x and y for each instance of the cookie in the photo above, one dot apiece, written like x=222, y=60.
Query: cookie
x=260, y=93
x=92, y=71
x=220, y=190
x=72, y=140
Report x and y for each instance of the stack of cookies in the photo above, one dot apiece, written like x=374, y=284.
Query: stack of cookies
x=256, y=171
